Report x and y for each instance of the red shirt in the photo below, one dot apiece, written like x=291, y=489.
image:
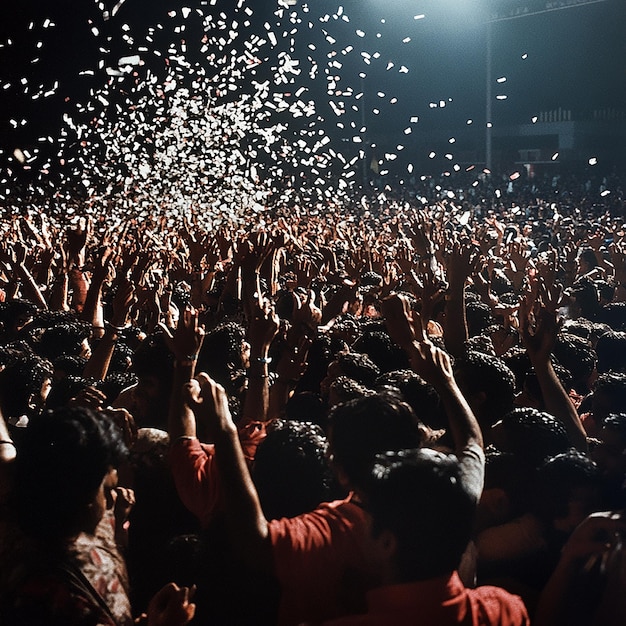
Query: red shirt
x=320, y=562
x=195, y=476
x=195, y=472
x=441, y=601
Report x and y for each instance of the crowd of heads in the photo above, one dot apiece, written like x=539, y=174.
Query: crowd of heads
x=353, y=401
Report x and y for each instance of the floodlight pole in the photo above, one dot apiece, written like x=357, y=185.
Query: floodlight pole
x=523, y=11
x=488, y=105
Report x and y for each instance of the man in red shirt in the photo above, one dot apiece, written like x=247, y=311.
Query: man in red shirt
x=322, y=558
x=421, y=521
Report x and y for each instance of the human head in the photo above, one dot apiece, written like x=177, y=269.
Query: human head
x=479, y=318
x=418, y=496
x=578, y=357
x=306, y=406
x=611, y=352
x=14, y=315
x=377, y=345
x=586, y=260
x=421, y=396
x=291, y=471
x=614, y=314
x=153, y=364
x=223, y=353
x=609, y=395
x=64, y=457
x=343, y=389
x=567, y=490
x=361, y=428
x=70, y=338
x=25, y=383
x=610, y=455
x=530, y=435
x=487, y=384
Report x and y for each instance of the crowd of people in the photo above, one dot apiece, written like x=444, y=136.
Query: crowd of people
x=408, y=407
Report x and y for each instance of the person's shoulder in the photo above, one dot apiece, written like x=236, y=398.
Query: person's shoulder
x=328, y=519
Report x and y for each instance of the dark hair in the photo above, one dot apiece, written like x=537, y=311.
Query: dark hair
x=63, y=339
x=533, y=388
x=290, y=471
x=419, y=496
x=616, y=422
x=122, y=356
x=72, y=365
x=614, y=314
x=558, y=478
x=362, y=428
x=154, y=358
x=21, y=381
x=532, y=435
x=588, y=255
x=221, y=353
x=612, y=386
x=321, y=353
x=488, y=374
x=585, y=295
x=306, y=406
x=518, y=361
x=611, y=352
x=377, y=345
x=478, y=316
x=345, y=389
x=576, y=355
x=359, y=367
x=63, y=458
x=420, y=395
x=12, y=311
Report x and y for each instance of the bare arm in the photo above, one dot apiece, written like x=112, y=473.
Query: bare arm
x=185, y=343
x=261, y=331
x=433, y=364
x=592, y=541
x=98, y=364
x=462, y=260
x=242, y=506
x=539, y=343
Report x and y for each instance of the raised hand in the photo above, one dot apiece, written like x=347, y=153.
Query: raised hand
x=465, y=259
x=209, y=402
x=76, y=240
x=187, y=339
x=305, y=311
x=407, y=328
x=538, y=320
x=263, y=326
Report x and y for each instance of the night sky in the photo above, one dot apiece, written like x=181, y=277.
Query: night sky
x=574, y=59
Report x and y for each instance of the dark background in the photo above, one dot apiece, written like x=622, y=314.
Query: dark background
x=576, y=60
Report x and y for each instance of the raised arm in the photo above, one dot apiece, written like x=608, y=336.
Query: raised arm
x=539, y=339
x=98, y=364
x=461, y=263
x=246, y=520
x=593, y=543
x=433, y=364
x=185, y=344
x=262, y=329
